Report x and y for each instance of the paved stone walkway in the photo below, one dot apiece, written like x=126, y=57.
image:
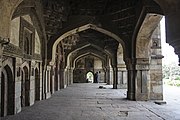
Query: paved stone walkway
x=87, y=102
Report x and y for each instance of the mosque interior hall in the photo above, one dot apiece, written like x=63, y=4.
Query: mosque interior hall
x=85, y=59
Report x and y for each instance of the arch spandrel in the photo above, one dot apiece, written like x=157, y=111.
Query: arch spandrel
x=144, y=36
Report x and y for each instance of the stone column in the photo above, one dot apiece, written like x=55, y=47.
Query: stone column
x=52, y=80
x=1, y=54
x=43, y=82
x=65, y=78
x=115, y=82
x=111, y=76
x=156, y=83
x=142, y=79
x=122, y=76
x=108, y=76
x=131, y=79
x=47, y=83
x=71, y=76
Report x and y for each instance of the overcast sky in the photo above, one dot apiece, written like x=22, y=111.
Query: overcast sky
x=167, y=50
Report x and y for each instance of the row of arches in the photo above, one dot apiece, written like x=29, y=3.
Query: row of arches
x=137, y=65
x=60, y=73
x=8, y=86
x=7, y=91
x=133, y=60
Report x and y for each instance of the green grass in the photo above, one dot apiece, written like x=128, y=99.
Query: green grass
x=172, y=82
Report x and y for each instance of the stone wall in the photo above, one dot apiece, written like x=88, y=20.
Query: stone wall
x=83, y=67
x=156, y=83
x=20, y=60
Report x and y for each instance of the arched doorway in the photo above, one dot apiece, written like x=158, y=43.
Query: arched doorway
x=25, y=88
x=7, y=92
x=90, y=77
x=37, y=85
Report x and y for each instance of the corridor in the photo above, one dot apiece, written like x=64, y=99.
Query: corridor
x=88, y=102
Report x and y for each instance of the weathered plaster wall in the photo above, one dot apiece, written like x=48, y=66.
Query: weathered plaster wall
x=14, y=36
x=37, y=44
x=15, y=27
x=156, y=83
x=18, y=79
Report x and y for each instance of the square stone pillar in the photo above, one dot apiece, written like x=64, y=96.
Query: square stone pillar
x=115, y=82
x=47, y=83
x=131, y=73
x=52, y=80
x=142, y=80
x=156, y=84
x=108, y=76
x=122, y=76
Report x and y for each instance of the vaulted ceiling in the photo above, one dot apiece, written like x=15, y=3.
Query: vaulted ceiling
x=122, y=17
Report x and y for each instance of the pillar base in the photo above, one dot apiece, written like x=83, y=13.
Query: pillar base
x=114, y=86
x=130, y=96
x=122, y=86
x=47, y=95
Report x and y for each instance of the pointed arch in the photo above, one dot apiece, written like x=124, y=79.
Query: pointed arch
x=37, y=84
x=85, y=46
x=7, y=91
x=83, y=28
x=86, y=54
x=25, y=85
x=144, y=36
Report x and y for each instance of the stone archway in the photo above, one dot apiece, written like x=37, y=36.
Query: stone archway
x=25, y=88
x=86, y=63
x=143, y=87
x=37, y=85
x=7, y=92
x=121, y=67
x=83, y=28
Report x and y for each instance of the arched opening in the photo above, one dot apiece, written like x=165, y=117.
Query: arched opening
x=149, y=60
x=7, y=92
x=37, y=85
x=80, y=29
x=85, y=65
x=89, y=77
x=121, y=69
x=25, y=88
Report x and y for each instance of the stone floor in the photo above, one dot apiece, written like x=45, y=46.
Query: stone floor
x=87, y=102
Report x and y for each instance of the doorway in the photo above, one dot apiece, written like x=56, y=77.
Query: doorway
x=37, y=85
x=25, y=88
x=90, y=77
x=7, y=92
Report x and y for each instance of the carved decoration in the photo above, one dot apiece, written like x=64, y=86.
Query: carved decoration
x=27, y=32
x=71, y=40
x=156, y=43
x=12, y=49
